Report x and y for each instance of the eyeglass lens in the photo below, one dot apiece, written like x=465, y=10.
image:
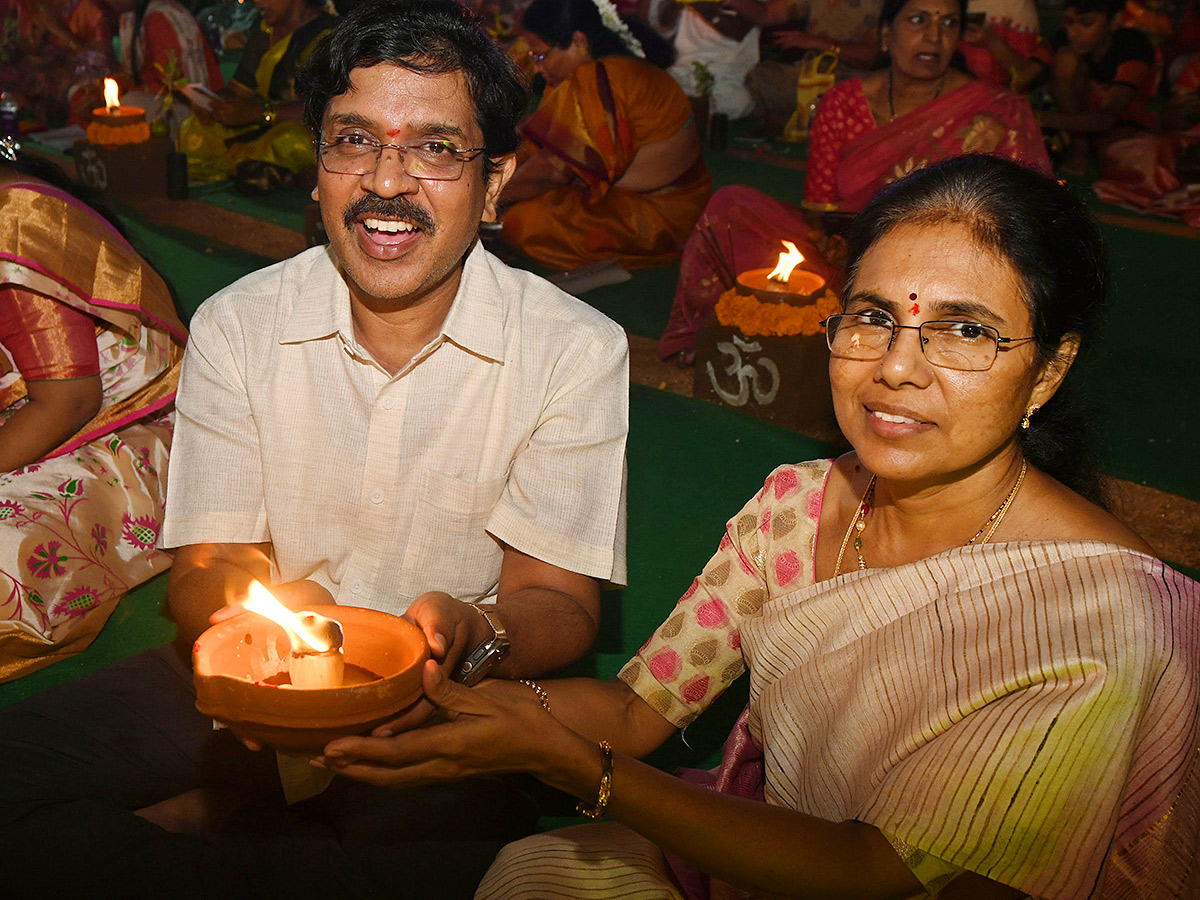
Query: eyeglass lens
x=952, y=345
x=430, y=160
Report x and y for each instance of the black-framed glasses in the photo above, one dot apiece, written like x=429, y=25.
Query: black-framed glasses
x=432, y=159
x=966, y=346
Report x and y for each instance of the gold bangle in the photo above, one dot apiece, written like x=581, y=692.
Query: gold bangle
x=539, y=690
x=605, y=791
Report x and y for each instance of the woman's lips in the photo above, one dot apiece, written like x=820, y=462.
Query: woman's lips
x=896, y=422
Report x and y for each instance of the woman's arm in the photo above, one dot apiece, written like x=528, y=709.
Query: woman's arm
x=54, y=410
x=540, y=173
x=750, y=844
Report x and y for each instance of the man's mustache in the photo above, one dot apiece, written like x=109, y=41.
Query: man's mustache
x=389, y=208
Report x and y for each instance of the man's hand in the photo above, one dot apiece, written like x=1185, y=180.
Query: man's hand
x=295, y=595
x=452, y=631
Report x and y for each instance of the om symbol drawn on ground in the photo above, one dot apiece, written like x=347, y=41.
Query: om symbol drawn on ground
x=749, y=379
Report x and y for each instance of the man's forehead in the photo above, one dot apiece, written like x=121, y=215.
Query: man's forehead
x=388, y=90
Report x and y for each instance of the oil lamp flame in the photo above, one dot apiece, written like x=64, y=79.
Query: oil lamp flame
x=787, y=262
x=260, y=601
x=111, y=98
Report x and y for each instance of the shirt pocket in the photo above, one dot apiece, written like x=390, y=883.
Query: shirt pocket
x=449, y=548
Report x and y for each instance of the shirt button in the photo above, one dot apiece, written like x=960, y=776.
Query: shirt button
x=356, y=587
x=376, y=496
x=387, y=403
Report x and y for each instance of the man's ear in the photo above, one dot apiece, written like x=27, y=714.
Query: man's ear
x=1055, y=371
x=502, y=170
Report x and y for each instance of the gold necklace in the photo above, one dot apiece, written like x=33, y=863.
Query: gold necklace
x=858, y=524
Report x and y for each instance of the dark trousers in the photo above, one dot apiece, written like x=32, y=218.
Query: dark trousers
x=78, y=759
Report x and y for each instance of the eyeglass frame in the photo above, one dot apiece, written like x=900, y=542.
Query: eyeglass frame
x=921, y=339
x=400, y=151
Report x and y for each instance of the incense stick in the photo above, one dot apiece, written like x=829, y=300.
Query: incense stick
x=729, y=276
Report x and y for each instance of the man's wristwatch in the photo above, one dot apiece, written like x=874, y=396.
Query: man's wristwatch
x=487, y=655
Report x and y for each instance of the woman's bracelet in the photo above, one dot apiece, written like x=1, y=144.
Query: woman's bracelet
x=595, y=812
x=539, y=690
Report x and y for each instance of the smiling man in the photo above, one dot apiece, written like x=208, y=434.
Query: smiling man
x=397, y=421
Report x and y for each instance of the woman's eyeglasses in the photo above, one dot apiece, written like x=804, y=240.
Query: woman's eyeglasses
x=966, y=346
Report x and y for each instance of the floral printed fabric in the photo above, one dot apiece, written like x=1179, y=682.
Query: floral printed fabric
x=76, y=533
x=767, y=550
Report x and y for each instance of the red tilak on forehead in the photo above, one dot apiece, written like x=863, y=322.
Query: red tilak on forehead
x=394, y=132
x=915, y=309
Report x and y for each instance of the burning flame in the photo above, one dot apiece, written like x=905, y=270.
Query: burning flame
x=260, y=601
x=111, y=98
x=787, y=262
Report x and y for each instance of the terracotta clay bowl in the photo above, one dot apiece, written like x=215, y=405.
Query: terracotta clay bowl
x=234, y=660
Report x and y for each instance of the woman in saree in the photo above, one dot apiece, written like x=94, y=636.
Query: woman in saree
x=612, y=167
x=867, y=132
x=967, y=678
x=160, y=41
x=90, y=347
x=255, y=119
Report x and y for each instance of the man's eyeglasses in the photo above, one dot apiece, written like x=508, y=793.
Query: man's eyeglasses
x=966, y=346
x=430, y=159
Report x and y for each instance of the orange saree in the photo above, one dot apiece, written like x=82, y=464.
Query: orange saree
x=595, y=122
x=78, y=528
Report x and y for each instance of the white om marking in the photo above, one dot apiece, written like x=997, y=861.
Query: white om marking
x=749, y=379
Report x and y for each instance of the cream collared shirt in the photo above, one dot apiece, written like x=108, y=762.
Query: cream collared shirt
x=509, y=428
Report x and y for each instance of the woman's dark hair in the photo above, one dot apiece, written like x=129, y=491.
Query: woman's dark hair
x=556, y=21
x=431, y=37
x=1058, y=253
x=891, y=9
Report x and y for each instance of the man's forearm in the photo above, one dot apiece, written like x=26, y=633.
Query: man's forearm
x=548, y=630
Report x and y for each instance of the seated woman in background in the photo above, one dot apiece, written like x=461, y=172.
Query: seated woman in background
x=613, y=165
x=1102, y=78
x=966, y=676
x=160, y=37
x=867, y=132
x=1002, y=43
x=61, y=51
x=1159, y=173
x=90, y=348
x=257, y=117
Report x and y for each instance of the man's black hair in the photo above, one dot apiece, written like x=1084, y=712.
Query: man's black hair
x=432, y=37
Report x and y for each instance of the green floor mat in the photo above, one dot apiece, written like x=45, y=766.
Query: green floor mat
x=284, y=208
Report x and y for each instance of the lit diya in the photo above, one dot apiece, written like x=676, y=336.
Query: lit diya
x=113, y=124
x=295, y=681
x=786, y=282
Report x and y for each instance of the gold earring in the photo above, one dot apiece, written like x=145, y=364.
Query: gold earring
x=1025, y=420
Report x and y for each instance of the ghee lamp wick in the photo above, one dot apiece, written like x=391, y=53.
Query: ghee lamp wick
x=311, y=667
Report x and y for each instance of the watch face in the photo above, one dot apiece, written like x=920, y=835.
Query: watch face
x=481, y=660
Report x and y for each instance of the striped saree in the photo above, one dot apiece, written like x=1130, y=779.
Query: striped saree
x=1026, y=711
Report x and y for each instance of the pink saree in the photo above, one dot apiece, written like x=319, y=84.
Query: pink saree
x=78, y=528
x=975, y=118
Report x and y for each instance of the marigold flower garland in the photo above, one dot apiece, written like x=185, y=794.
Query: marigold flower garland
x=753, y=317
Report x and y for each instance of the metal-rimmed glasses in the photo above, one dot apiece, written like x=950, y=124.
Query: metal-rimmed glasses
x=965, y=346
x=432, y=159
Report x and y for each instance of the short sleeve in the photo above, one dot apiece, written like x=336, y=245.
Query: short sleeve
x=47, y=339
x=214, y=484
x=842, y=115
x=564, y=500
x=767, y=550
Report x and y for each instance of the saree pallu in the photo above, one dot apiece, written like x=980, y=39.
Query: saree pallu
x=1142, y=172
x=975, y=118
x=78, y=528
x=595, y=123
x=1026, y=711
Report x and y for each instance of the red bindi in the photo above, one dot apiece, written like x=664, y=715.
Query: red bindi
x=915, y=309
x=396, y=131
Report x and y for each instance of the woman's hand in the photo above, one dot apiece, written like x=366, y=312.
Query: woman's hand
x=234, y=110
x=496, y=726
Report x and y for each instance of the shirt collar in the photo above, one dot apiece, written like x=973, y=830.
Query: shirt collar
x=321, y=307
